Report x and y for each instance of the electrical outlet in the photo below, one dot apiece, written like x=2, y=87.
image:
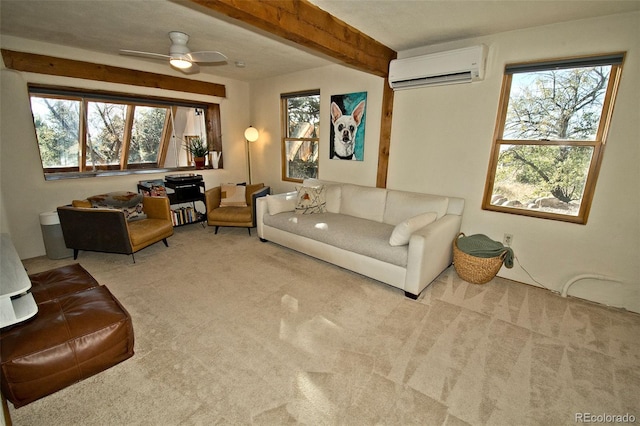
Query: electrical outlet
x=507, y=240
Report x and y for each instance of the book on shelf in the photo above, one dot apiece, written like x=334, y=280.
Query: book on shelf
x=185, y=215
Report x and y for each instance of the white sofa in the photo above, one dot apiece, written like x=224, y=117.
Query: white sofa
x=356, y=230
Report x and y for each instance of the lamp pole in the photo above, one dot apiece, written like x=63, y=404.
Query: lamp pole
x=250, y=135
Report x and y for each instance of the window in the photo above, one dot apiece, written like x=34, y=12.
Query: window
x=83, y=133
x=551, y=131
x=300, y=135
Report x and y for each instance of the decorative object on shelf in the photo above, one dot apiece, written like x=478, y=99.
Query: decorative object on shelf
x=251, y=135
x=214, y=159
x=198, y=150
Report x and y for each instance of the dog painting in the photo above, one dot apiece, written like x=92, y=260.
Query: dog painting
x=347, y=126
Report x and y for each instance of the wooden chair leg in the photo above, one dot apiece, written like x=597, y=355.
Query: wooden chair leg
x=217, y=230
x=166, y=244
x=249, y=229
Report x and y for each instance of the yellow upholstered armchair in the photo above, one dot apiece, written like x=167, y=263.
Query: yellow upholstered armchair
x=234, y=205
x=90, y=226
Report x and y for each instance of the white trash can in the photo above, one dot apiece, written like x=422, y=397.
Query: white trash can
x=52, y=236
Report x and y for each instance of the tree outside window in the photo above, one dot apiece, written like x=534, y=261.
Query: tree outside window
x=300, y=141
x=550, y=137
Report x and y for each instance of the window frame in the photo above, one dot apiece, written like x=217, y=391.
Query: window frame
x=284, y=121
x=212, y=129
x=598, y=144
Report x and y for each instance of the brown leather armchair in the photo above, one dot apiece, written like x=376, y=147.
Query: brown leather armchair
x=244, y=217
x=105, y=229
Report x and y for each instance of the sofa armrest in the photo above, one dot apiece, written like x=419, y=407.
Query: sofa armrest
x=430, y=252
x=262, y=209
x=212, y=198
x=262, y=192
x=156, y=207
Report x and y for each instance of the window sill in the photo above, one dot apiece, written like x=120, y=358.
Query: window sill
x=103, y=173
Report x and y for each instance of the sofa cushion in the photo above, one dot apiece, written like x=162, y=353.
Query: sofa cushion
x=363, y=202
x=280, y=204
x=233, y=195
x=402, y=205
x=362, y=236
x=402, y=232
x=231, y=215
x=311, y=200
x=143, y=231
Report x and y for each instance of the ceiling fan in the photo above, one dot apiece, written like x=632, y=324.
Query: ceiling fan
x=180, y=57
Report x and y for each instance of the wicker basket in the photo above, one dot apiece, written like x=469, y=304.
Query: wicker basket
x=476, y=270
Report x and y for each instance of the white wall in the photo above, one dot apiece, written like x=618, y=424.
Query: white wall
x=441, y=139
x=25, y=194
x=266, y=165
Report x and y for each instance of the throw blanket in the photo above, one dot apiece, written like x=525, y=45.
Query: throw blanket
x=480, y=245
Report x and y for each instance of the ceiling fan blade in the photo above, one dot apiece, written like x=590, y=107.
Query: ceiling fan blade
x=206, y=56
x=144, y=54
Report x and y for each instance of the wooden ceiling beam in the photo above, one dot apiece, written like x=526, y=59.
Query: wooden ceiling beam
x=42, y=64
x=311, y=27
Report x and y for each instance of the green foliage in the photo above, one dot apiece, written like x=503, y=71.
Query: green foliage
x=146, y=134
x=557, y=170
x=302, y=110
x=196, y=147
x=554, y=105
x=106, y=132
x=57, y=123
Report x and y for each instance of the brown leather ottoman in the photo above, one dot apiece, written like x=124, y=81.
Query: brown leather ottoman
x=58, y=282
x=75, y=334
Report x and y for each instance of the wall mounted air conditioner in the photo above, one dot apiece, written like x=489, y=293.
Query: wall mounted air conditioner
x=451, y=67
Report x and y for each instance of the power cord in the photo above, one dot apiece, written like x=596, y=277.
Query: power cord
x=530, y=276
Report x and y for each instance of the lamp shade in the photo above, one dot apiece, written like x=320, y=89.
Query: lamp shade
x=251, y=134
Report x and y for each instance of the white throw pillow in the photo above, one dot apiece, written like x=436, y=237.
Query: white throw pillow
x=233, y=195
x=402, y=232
x=281, y=204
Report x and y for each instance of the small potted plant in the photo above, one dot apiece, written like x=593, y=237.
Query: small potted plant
x=198, y=150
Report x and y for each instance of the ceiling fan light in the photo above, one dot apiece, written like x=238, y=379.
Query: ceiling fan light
x=180, y=63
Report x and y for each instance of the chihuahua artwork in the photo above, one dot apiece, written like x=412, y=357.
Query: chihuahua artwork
x=347, y=126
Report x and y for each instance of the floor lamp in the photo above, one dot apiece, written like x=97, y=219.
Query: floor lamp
x=251, y=135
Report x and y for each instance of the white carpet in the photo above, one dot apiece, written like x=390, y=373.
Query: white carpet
x=230, y=330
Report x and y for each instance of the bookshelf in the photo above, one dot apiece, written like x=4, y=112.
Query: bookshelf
x=180, y=189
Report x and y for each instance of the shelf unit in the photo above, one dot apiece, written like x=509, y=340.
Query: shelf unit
x=183, y=189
